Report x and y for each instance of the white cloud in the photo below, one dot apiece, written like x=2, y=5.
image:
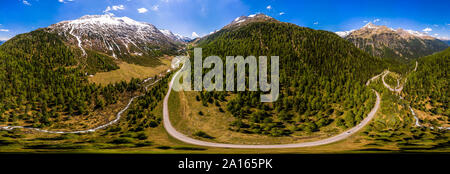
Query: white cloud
x=426, y=30
x=4, y=38
x=365, y=21
x=443, y=38
x=118, y=7
x=25, y=2
x=65, y=1
x=142, y=10
x=3, y=30
x=282, y=13
x=195, y=35
x=155, y=8
x=269, y=7
x=114, y=8
x=376, y=20
x=315, y=23
x=107, y=9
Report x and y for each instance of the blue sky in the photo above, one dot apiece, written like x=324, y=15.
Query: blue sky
x=203, y=16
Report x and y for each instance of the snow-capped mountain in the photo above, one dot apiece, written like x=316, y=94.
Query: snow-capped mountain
x=239, y=21
x=344, y=33
x=382, y=41
x=176, y=37
x=370, y=28
x=119, y=37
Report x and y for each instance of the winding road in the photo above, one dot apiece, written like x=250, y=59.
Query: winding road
x=174, y=133
x=399, y=89
x=396, y=89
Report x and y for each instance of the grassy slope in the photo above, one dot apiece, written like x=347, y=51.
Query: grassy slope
x=427, y=89
x=128, y=71
x=186, y=119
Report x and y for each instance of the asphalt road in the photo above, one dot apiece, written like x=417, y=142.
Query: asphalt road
x=174, y=133
x=396, y=89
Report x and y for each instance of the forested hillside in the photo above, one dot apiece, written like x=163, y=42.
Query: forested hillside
x=428, y=87
x=42, y=79
x=52, y=51
x=322, y=78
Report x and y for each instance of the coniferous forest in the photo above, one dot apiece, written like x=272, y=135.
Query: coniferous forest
x=42, y=79
x=428, y=87
x=45, y=83
x=321, y=75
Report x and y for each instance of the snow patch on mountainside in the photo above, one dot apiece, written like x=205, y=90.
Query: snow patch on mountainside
x=177, y=37
x=79, y=41
x=240, y=19
x=344, y=33
x=166, y=32
x=115, y=36
x=416, y=33
x=372, y=28
x=253, y=17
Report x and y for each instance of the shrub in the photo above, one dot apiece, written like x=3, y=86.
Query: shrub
x=203, y=135
x=122, y=140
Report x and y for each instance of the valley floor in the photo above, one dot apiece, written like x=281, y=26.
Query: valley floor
x=391, y=130
x=128, y=71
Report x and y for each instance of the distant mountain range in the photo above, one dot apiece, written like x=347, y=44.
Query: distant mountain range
x=400, y=44
x=176, y=37
x=2, y=41
x=446, y=41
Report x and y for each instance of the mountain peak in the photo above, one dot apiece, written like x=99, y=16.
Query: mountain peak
x=250, y=18
x=403, y=44
x=370, y=25
x=174, y=36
